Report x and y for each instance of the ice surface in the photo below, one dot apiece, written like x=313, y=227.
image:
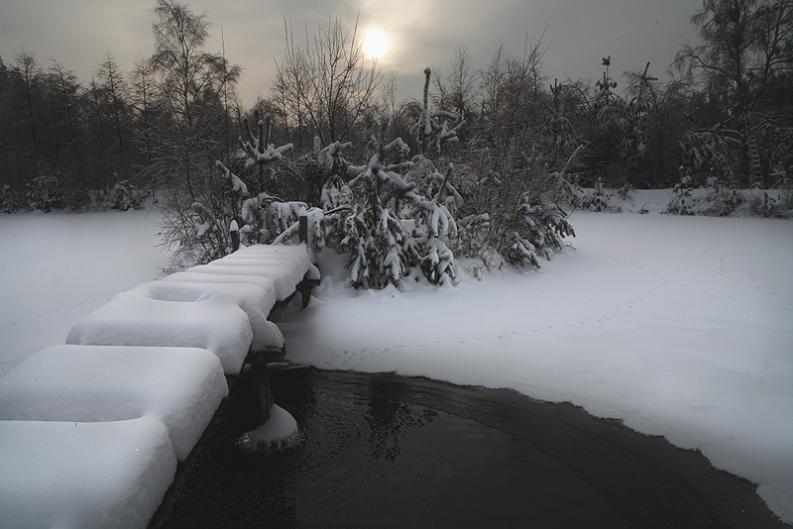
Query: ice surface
x=59, y=267
x=78, y=475
x=255, y=300
x=203, y=320
x=681, y=326
x=182, y=387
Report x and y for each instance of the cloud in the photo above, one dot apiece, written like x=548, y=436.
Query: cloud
x=79, y=32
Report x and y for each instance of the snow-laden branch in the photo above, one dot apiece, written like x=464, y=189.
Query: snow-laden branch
x=237, y=185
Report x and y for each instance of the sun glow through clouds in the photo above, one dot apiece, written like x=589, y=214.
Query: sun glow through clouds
x=375, y=43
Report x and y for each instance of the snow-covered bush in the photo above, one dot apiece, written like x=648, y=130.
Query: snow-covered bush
x=539, y=229
x=625, y=191
x=682, y=202
x=719, y=200
x=705, y=153
x=472, y=231
x=44, y=194
x=597, y=199
x=8, y=203
x=766, y=205
x=125, y=196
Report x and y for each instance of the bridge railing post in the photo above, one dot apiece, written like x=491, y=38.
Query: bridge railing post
x=234, y=231
x=303, y=229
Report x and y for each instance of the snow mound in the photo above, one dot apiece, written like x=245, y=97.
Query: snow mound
x=180, y=318
x=279, y=430
x=255, y=300
x=181, y=387
x=76, y=475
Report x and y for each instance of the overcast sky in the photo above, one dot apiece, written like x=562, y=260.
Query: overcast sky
x=78, y=33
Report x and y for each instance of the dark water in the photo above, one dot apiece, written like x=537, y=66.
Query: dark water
x=387, y=451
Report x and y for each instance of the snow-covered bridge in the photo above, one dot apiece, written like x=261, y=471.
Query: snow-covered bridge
x=98, y=425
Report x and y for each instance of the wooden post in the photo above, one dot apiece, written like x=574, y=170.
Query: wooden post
x=303, y=229
x=234, y=230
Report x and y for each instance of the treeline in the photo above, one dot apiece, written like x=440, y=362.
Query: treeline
x=118, y=139
x=125, y=135
x=67, y=144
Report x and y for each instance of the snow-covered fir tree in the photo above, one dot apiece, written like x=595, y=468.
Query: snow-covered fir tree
x=394, y=223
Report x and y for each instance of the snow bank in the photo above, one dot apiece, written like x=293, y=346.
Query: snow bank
x=255, y=300
x=182, y=387
x=77, y=475
x=178, y=318
x=681, y=326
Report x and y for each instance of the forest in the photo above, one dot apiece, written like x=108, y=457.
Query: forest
x=487, y=163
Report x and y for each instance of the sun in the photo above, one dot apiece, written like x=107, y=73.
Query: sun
x=375, y=43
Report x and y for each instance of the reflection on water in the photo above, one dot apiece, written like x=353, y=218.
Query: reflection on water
x=389, y=417
x=386, y=451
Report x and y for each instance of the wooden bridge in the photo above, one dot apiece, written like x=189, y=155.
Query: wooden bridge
x=92, y=432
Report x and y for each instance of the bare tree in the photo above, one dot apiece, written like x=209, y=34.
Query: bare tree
x=457, y=90
x=328, y=82
x=114, y=88
x=143, y=101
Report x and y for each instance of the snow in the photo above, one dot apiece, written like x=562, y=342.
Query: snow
x=181, y=387
x=285, y=266
x=255, y=300
x=281, y=426
x=63, y=267
x=76, y=475
x=680, y=326
x=170, y=317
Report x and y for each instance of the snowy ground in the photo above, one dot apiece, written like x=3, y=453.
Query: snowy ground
x=681, y=326
x=56, y=268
